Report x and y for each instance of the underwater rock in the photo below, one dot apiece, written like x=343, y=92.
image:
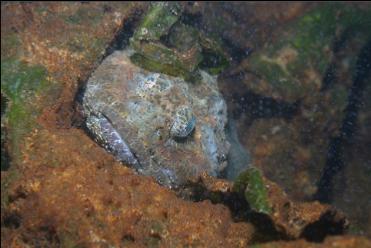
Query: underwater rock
x=243, y=27
x=290, y=98
x=90, y=193
x=293, y=68
x=158, y=21
x=163, y=43
x=255, y=198
x=26, y=87
x=175, y=130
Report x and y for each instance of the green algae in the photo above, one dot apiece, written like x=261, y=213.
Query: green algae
x=156, y=57
x=317, y=30
x=153, y=65
x=158, y=21
x=279, y=79
x=183, y=37
x=170, y=64
x=185, y=40
x=250, y=183
x=22, y=83
x=157, y=52
x=165, y=44
x=215, y=60
x=310, y=42
x=19, y=82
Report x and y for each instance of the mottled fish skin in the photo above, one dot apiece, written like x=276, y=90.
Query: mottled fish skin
x=110, y=139
x=164, y=176
x=156, y=116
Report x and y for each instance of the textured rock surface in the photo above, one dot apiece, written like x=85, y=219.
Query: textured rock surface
x=288, y=130
x=147, y=109
x=164, y=43
x=245, y=28
x=274, y=215
x=47, y=197
x=293, y=68
x=89, y=199
x=60, y=181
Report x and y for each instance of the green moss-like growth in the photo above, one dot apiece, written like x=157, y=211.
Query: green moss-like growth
x=183, y=37
x=149, y=56
x=295, y=64
x=184, y=40
x=157, y=52
x=165, y=44
x=214, y=58
x=167, y=68
x=158, y=21
x=155, y=56
x=317, y=30
x=21, y=84
x=250, y=183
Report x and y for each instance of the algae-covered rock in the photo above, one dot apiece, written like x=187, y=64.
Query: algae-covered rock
x=293, y=67
x=185, y=39
x=160, y=125
x=164, y=44
x=24, y=90
x=22, y=84
x=46, y=48
x=158, y=21
x=291, y=144
x=159, y=58
x=251, y=184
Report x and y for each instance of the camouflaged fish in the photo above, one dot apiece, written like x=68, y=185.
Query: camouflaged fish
x=160, y=125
